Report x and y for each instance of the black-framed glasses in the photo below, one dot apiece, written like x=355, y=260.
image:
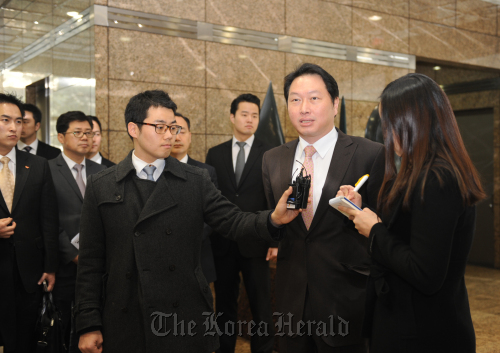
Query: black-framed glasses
x=162, y=128
x=79, y=134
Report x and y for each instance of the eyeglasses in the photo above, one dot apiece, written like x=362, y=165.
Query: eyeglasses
x=79, y=134
x=162, y=128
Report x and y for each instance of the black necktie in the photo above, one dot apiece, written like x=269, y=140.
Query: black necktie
x=28, y=149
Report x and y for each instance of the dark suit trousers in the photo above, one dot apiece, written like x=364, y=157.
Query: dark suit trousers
x=64, y=297
x=26, y=314
x=256, y=277
x=313, y=343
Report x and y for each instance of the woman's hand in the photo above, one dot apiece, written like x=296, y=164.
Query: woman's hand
x=363, y=220
x=350, y=194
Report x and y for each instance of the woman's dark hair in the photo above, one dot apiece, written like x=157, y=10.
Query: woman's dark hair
x=416, y=112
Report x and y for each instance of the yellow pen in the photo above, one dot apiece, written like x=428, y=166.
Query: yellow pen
x=360, y=182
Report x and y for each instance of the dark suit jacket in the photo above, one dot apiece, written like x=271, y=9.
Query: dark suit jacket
x=107, y=162
x=207, y=257
x=330, y=261
x=249, y=195
x=34, y=210
x=417, y=300
x=151, y=250
x=70, y=201
x=47, y=151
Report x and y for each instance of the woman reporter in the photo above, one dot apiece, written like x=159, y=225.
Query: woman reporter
x=422, y=233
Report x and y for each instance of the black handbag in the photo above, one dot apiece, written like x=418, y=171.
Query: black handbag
x=49, y=327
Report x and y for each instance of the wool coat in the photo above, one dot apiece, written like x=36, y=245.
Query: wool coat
x=416, y=297
x=139, y=275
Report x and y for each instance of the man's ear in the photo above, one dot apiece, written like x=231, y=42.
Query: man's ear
x=60, y=138
x=37, y=126
x=231, y=117
x=336, y=105
x=133, y=130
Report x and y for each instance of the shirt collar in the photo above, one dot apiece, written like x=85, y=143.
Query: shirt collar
x=323, y=145
x=248, y=141
x=97, y=158
x=184, y=159
x=71, y=163
x=139, y=164
x=11, y=155
x=21, y=145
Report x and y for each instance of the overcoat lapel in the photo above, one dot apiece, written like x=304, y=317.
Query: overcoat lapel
x=66, y=173
x=21, y=176
x=161, y=198
x=341, y=158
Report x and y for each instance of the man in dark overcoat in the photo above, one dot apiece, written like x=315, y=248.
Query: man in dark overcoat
x=140, y=285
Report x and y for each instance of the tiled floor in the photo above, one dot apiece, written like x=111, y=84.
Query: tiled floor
x=483, y=285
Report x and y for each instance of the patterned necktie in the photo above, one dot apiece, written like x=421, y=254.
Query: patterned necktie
x=7, y=183
x=79, y=178
x=308, y=213
x=149, y=170
x=240, y=162
x=28, y=148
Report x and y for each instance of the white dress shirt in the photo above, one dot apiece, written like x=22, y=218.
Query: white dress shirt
x=139, y=165
x=71, y=163
x=321, y=159
x=236, y=149
x=34, y=146
x=12, y=162
x=97, y=158
x=184, y=159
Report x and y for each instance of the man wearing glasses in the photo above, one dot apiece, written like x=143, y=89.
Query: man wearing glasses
x=140, y=285
x=70, y=171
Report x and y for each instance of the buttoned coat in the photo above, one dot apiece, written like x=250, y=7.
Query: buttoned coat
x=329, y=262
x=139, y=269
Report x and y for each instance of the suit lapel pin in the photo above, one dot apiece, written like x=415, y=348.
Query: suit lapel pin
x=26, y=167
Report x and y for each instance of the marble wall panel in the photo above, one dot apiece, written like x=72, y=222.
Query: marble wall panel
x=394, y=7
x=101, y=2
x=477, y=15
x=101, y=74
x=448, y=75
x=339, y=69
x=197, y=150
x=242, y=68
x=140, y=56
x=258, y=15
x=214, y=140
x=389, y=33
x=188, y=9
x=120, y=145
x=320, y=20
x=474, y=100
x=190, y=102
x=105, y=143
x=359, y=118
x=478, y=49
x=342, y=2
x=433, y=41
x=368, y=81
x=437, y=11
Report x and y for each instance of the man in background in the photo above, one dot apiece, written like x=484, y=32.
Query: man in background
x=94, y=154
x=179, y=151
x=28, y=232
x=238, y=164
x=69, y=172
x=32, y=121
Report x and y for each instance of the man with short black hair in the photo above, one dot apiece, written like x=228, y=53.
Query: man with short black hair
x=28, y=232
x=322, y=264
x=140, y=283
x=69, y=172
x=238, y=164
x=94, y=154
x=32, y=121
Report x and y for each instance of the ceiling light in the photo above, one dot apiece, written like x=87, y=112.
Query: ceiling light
x=374, y=18
x=74, y=14
x=36, y=22
x=437, y=68
x=364, y=58
x=116, y=21
x=140, y=26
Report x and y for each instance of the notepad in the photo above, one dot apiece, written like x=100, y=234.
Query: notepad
x=343, y=201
